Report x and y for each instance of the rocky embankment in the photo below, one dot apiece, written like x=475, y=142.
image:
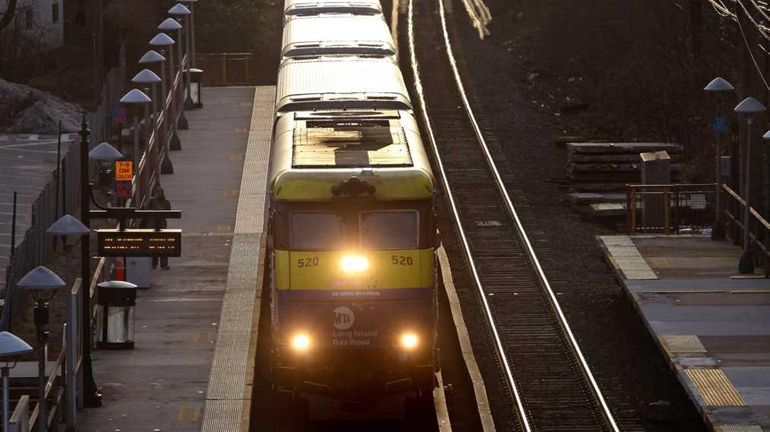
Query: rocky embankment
x=24, y=109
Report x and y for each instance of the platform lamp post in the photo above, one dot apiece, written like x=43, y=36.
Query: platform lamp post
x=164, y=41
x=766, y=209
x=182, y=13
x=43, y=283
x=719, y=87
x=11, y=348
x=191, y=43
x=152, y=57
x=149, y=80
x=170, y=25
x=68, y=226
x=136, y=99
x=749, y=108
x=91, y=396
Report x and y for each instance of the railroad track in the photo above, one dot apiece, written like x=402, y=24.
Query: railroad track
x=550, y=383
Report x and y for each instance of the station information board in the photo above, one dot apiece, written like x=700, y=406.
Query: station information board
x=139, y=242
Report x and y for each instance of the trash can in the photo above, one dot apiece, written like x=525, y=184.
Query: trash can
x=196, y=75
x=115, y=315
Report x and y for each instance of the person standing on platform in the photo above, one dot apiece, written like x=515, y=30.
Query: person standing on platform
x=159, y=202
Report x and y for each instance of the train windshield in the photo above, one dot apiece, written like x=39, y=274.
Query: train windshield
x=398, y=229
x=316, y=231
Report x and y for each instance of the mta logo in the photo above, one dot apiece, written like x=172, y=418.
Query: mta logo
x=343, y=318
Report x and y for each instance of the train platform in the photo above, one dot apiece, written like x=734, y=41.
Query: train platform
x=193, y=361
x=712, y=325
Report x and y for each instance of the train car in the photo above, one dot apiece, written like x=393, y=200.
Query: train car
x=351, y=239
x=315, y=7
x=340, y=82
x=332, y=34
x=352, y=235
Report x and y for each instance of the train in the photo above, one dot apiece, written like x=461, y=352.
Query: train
x=352, y=232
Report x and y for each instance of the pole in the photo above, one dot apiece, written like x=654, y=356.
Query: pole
x=58, y=171
x=718, y=231
x=41, y=318
x=136, y=140
x=163, y=93
x=746, y=264
x=6, y=398
x=193, y=63
x=188, y=102
x=91, y=397
x=147, y=131
x=766, y=203
x=13, y=225
x=72, y=350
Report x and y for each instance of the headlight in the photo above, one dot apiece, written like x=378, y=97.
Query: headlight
x=300, y=342
x=352, y=264
x=409, y=341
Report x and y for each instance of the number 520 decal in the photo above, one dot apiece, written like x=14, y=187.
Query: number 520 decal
x=307, y=262
x=401, y=260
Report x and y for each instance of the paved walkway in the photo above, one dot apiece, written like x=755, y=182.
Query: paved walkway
x=713, y=327
x=162, y=384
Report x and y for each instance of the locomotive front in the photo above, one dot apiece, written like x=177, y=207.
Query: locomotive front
x=352, y=235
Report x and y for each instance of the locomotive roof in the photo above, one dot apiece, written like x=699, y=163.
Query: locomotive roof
x=313, y=7
x=336, y=34
x=339, y=82
x=313, y=152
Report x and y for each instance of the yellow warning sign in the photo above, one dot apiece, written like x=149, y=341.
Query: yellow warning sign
x=124, y=170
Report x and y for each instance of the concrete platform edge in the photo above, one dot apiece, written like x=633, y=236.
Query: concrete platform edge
x=228, y=403
x=688, y=386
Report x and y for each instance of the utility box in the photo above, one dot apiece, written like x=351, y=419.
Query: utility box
x=139, y=271
x=656, y=167
x=656, y=170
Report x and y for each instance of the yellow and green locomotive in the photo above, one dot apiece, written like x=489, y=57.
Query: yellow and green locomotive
x=352, y=262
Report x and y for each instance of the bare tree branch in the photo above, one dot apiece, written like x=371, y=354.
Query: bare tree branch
x=10, y=11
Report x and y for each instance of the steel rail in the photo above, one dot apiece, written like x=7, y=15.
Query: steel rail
x=545, y=284
x=520, y=410
x=531, y=251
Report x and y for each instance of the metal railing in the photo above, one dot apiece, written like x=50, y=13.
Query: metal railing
x=759, y=228
x=147, y=173
x=227, y=69
x=669, y=208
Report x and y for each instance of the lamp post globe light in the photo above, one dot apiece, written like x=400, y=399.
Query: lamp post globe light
x=149, y=80
x=152, y=57
x=135, y=99
x=68, y=226
x=43, y=283
x=164, y=41
x=748, y=108
x=11, y=348
x=718, y=87
x=180, y=12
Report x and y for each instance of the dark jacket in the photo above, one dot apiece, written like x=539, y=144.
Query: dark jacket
x=158, y=204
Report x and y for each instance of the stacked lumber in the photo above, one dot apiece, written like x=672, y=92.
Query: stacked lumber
x=606, y=167
x=599, y=172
